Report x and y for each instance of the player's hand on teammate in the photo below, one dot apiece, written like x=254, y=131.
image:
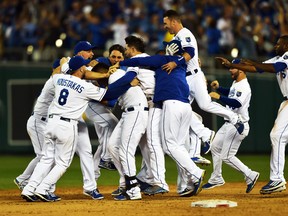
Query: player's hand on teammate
x=134, y=82
x=171, y=49
x=93, y=63
x=214, y=84
x=63, y=60
x=169, y=66
x=214, y=95
x=111, y=71
x=224, y=61
x=116, y=66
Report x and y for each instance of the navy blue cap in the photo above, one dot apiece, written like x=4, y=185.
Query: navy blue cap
x=180, y=51
x=77, y=62
x=236, y=61
x=83, y=46
x=56, y=63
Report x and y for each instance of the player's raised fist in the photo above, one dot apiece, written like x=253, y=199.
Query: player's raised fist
x=215, y=84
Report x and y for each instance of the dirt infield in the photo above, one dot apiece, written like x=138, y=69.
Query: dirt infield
x=74, y=203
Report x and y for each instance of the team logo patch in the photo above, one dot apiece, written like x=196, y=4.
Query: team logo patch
x=285, y=57
x=238, y=94
x=188, y=39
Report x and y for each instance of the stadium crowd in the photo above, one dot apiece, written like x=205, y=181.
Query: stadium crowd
x=219, y=25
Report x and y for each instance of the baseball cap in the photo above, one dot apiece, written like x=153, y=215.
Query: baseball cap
x=76, y=62
x=236, y=61
x=83, y=45
x=180, y=51
x=56, y=63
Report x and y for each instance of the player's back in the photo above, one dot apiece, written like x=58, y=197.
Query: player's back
x=72, y=95
x=241, y=91
x=171, y=86
x=134, y=96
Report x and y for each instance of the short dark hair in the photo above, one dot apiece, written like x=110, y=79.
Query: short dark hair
x=136, y=42
x=284, y=38
x=172, y=14
x=160, y=52
x=100, y=67
x=117, y=47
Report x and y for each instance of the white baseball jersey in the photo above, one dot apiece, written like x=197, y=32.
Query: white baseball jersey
x=135, y=99
x=68, y=86
x=281, y=76
x=187, y=39
x=241, y=92
x=44, y=100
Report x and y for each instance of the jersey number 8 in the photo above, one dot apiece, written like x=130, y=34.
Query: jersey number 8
x=63, y=97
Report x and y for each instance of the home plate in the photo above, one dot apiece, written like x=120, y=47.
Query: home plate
x=214, y=203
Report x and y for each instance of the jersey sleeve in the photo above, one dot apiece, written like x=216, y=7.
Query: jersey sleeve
x=94, y=92
x=239, y=93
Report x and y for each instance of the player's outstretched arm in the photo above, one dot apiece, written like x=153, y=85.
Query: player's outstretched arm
x=251, y=66
x=91, y=75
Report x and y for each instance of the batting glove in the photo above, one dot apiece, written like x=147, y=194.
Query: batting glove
x=171, y=49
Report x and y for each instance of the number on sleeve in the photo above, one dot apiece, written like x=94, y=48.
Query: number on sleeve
x=63, y=97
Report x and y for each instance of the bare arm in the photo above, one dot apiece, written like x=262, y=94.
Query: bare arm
x=248, y=65
x=171, y=65
x=91, y=75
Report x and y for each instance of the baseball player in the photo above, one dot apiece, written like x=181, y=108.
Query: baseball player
x=279, y=132
x=35, y=127
x=127, y=135
x=70, y=101
x=84, y=148
x=171, y=98
x=195, y=76
x=152, y=174
x=103, y=119
x=227, y=141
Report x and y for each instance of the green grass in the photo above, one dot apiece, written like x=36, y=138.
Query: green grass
x=12, y=166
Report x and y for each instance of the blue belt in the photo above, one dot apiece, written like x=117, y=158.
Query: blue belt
x=61, y=118
x=189, y=73
x=129, y=109
x=42, y=118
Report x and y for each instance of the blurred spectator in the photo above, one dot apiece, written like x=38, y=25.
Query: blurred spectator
x=225, y=25
x=213, y=36
x=120, y=30
x=250, y=25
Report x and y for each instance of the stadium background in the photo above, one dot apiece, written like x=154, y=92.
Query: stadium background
x=34, y=33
